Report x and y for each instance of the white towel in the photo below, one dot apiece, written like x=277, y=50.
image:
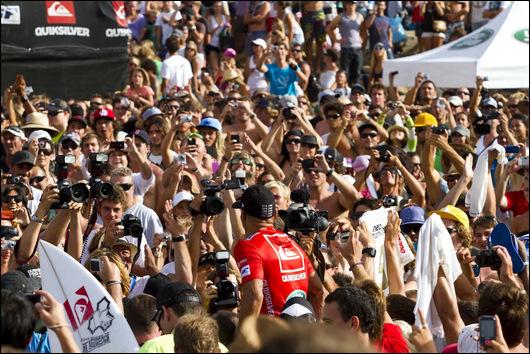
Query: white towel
x=476, y=198
x=435, y=249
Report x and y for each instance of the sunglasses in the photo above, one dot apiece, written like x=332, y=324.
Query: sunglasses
x=95, y=104
x=37, y=179
x=371, y=135
x=392, y=170
x=45, y=152
x=333, y=116
x=69, y=146
x=237, y=160
x=297, y=50
x=125, y=186
x=292, y=141
x=260, y=165
x=173, y=107
x=451, y=230
x=12, y=198
x=420, y=129
x=463, y=93
x=379, y=48
x=54, y=113
x=407, y=229
x=310, y=146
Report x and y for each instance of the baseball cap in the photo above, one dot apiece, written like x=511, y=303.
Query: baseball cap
x=260, y=42
x=367, y=124
x=425, y=120
x=148, y=113
x=489, y=101
x=40, y=134
x=180, y=197
x=412, y=215
x=142, y=134
x=17, y=282
x=156, y=283
x=72, y=137
x=309, y=140
x=331, y=154
x=78, y=118
x=298, y=308
x=257, y=201
x=454, y=213
x=16, y=131
x=176, y=292
x=358, y=88
x=466, y=340
x=124, y=241
x=230, y=52
x=23, y=156
x=460, y=129
x=210, y=122
x=33, y=273
x=456, y=101
x=57, y=105
x=104, y=113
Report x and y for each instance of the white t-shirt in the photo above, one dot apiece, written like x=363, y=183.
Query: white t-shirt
x=327, y=79
x=34, y=203
x=149, y=219
x=157, y=159
x=141, y=185
x=177, y=70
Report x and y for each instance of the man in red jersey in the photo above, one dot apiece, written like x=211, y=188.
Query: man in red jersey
x=273, y=267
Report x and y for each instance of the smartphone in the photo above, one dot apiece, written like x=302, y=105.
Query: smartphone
x=117, y=145
x=181, y=159
x=33, y=298
x=234, y=138
x=95, y=265
x=487, y=328
x=512, y=149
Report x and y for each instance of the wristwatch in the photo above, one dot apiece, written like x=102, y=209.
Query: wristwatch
x=369, y=251
x=330, y=172
x=178, y=238
x=34, y=218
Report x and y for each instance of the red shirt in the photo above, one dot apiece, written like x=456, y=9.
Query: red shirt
x=516, y=202
x=392, y=340
x=273, y=257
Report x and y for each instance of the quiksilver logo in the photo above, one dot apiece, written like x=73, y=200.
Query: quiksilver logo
x=58, y=9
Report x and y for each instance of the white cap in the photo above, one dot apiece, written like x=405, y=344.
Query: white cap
x=40, y=134
x=260, y=42
x=182, y=196
x=456, y=101
x=466, y=340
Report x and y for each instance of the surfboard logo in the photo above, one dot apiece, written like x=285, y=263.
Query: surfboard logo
x=474, y=39
x=82, y=310
x=60, y=12
x=522, y=35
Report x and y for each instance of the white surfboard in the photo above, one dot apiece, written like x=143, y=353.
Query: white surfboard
x=97, y=323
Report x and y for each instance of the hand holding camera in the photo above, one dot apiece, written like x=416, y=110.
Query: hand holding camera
x=50, y=196
x=113, y=231
x=321, y=163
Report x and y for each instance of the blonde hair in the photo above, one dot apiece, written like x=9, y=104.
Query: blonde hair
x=374, y=60
x=116, y=259
x=147, y=81
x=284, y=190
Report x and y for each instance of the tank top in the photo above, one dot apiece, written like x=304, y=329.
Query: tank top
x=216, y=28
x=349, y=28
x=256, y=79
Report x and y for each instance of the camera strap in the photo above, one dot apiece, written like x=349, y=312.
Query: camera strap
x=91, y=220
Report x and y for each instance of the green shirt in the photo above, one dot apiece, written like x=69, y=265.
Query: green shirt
x=165, y=344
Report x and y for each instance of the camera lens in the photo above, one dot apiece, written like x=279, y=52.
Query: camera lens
x=80, y=192
x=106, y=190
x=212, y=206
x=296, y=218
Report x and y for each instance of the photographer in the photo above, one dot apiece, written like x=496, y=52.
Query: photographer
x=267, y=259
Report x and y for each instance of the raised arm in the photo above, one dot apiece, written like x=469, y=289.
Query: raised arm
x=432, y=177
x=418, y=193
x=75, y=237
x=410, y=97
x=272, y=166
x=395, y=278
x=452, y=197
x=475, y=99
x=140, y=160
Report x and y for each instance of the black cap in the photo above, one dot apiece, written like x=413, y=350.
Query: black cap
x=156, y=283
x=358, y=88
x=17, y=282
x=78, y=118
x=57, y=105
x=23, y=156
x=332, y=155
x=310, y=140
x=174, y=293
x=257, y=201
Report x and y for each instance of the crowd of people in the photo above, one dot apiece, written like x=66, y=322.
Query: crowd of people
x=226, y=196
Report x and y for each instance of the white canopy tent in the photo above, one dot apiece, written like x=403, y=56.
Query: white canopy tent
x=498, y=51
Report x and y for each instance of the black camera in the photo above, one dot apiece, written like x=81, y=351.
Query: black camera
x=293, y=66
x=390, y=201
x=339, y=236
x=78, y=192
x=384, y=155
x=486, y=258
x=288, y=113
x=14, y=180
x=131, y=226
x=301, y=217
x=97, y=165
x=213, y=204
x=8, y=232
x=439, y=130
x=227, y=294
x=117, y=145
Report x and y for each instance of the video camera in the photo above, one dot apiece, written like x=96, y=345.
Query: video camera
x=78, y=192
x=227, y=294
x=301, y=217
x=132, y=226
x=97, y=165
x=213, y=204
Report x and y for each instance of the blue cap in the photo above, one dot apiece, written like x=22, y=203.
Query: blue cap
x=412, y=215
x=489, y=101
x=210, y=123
x=153, y=111
x=142, y=134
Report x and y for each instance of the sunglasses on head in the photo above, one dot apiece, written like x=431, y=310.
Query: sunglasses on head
x=37, y=179
x=125, y=186
x=333, y=116
x=371, y=135
x=12, y=198
x=407, y=229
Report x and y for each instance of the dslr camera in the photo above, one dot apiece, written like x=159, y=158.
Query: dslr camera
x=213, y=204
x=78, y=192
x=390, y=201
x=486, y=258
x=384, y=155
x=301, y=217
x=97, y=165
x=439, y=130
x=287, y=111
x=132, y=226
x=227, y=294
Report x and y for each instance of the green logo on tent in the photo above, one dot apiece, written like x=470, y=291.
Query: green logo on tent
x=522, y=35
x=473, y=40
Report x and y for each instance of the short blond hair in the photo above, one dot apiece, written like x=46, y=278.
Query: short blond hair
x=196, y=334
x=285, y=191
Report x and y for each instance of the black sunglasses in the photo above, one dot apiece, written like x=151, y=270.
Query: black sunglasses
x=125, y=186
x=291, y=141
x=37, y=179
x=45, y=152
x=371, y=135
x=54, y=113
x=332, y=116
x=407, y=229
x=260, y=165
x=11, y=198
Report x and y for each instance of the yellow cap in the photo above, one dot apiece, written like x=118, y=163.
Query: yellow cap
x=425, y=120
x=453, y=213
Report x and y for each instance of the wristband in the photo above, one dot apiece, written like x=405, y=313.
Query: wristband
x=113, y=282
x=225, y=159
x=330, y=172
x=58, y=325
x=355, y=265
x=35, y=218
x=178, y=238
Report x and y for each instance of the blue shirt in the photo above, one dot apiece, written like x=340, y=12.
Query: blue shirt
x=40, y=343
x=281, y=80
x=379, y=31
